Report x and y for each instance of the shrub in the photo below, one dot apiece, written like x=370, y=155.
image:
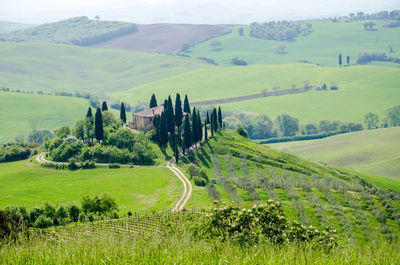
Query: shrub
x=193, y=170
x=43, y=221
x=72, y=165
x=74, y=212
x=199, y=181
x=237, y=61
x=11, y=224
x=241, y=131
x=82, y=217
x=114, y=166
x=87, y=164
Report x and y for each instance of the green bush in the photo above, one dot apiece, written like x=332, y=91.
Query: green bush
x=43, y=221
x=241, y=131
x=72, y=164
x=88, y=164
x=114, y=166
x=14, y=152
x=199, y=181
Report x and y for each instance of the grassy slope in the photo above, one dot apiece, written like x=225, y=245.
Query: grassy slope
x=6, y=27
x=18, y=110
x=322, y=46
x=361, y=89
x=375, y=151
x=68, y=68
x=135, y=189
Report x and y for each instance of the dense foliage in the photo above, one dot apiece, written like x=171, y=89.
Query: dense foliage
x=279, y=30
x=366, y=57
x=15, y=151
x=78, y=31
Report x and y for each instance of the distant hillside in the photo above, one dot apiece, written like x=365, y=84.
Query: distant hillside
x=6, y=27
x=78, y=31
x=375, y=151
x=69, y=68
x=164, y=38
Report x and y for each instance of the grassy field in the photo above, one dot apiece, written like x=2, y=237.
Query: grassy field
x=375, y=151
x=320, y=47
x=361, y=89
x=69, y=68
x=48, y=112
x=136, y=189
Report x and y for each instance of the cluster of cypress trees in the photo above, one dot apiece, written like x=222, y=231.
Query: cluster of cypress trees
x=182, y=127
x=98, y=119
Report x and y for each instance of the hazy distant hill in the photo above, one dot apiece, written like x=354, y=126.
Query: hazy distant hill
x=77, y=31
x=6, y=27
x=164, y=38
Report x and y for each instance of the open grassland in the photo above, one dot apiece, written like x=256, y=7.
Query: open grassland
x=362, y=89
x=134, y=189
x=50, y=112
x=373, y=151
x=322, y=46
x=69, y=68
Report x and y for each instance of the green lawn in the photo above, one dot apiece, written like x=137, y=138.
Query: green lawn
x=361, y=89
x=19, y=110
x=136, y=189
x=375, y=151
x=69, y=68
x=320, y=47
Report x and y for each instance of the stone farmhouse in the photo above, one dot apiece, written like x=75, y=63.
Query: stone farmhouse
x=144, y=120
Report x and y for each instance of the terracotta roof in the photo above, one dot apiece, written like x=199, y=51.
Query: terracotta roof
x=149, y=113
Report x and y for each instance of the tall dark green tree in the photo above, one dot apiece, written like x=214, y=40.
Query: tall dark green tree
x=340, y=59
x=122, y=113
x=163, y=130
x=178, y=111
x=98, y=125
x=89, y=113
x=205, y=131
x=104, y=106
x=199, y=127
x=186, y=105
x=176, y=152
x=207, y=118
x=214, y=122
x=170, y=116
x=153, y=101
x=187, y=133
x=195, y=132
x=219, y=117
x=348, y=60
x=165, y=104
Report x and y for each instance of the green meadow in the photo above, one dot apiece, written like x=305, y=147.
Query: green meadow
x=362, y=89
x=46, y=112
x=322, y=46
x=373, y=151
x=69, y=68
x=134, y=189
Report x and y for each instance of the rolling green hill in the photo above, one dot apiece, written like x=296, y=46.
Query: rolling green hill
x=69, y=68
x=136, y=189
x=77, y=31
x=322, y=46
x=6, y=27
x=373, y=151
x=49, y=112
x=361, y=89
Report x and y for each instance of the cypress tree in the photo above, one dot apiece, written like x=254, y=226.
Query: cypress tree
x=98, y=125
x=176, y=153
x=186, y=105
x=170, y=116
x=163, y=130
x=89, y=113
x=199, y=127
x=104, y=106
x=214, y=122
x=207, y=118
x=165, y=104
x=348, y=60
x=195, y=131
x=205, y=131
x=178, y=111
x=153, y=101
x=212, y=125
x=340, y=59
x=187, y=136
x=122, y=113
x=220, y=117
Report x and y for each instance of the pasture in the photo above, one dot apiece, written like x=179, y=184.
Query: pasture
x=321, y=47
x=134, y=189
x=373, y=151
x=46, y=112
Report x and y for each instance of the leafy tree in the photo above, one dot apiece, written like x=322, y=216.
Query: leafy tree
x=79, y=130
x=369, y=25
x=280, y=49
x=238, y=61
x=340, y=59
x=219, y=117
x=122, y=113
x=61, y=213
x=288, y=125
x=310, y=129
x=240, y=30
x=371, y=120
x=98, y=128
x=74, y=212
x=216, y=44
x=328, y=126
x=178, y=111
x=153, y=101
x=89, y=129
x=187, y=133
x=122, y=138
x=186, y=105
x=104, y=106
x=185, y=47
x=63, y=131
x=393, y=116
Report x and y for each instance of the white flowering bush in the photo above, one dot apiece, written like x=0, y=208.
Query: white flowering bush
x=261, y=222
